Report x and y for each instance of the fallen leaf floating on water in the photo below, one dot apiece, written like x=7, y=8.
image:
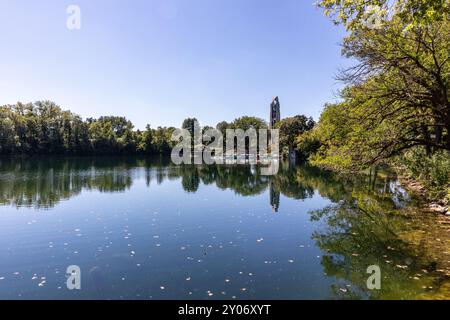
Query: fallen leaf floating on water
x=401, y=267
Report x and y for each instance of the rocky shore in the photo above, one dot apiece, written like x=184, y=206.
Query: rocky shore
x=441, y=207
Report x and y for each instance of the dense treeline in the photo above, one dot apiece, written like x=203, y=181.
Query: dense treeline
x=395, y=108
x=44, y=128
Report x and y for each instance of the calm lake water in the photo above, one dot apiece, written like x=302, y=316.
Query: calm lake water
x=146, y=229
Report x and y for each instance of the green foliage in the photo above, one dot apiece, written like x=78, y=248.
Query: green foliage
x=333, y=135
x=244, y=123
x=396, y=103
x=191, y=124
x=247, y=122
x=41, y=128
x=290, y=129
x=161, y=141
x=44, y=128
x=222, y=127
x=355, y=13
x=433, y=171
x=307, y=144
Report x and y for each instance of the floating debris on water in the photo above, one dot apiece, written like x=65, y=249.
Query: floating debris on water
x=401, y=267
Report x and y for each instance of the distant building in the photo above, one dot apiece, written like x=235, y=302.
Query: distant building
x=275, y=115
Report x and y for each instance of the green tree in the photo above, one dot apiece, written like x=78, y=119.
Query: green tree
x=355, y=13
x=162, y=140
x=397, y=95
x=247, y=122
x=290, y=129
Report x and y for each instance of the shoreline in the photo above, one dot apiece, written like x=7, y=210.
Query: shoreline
x=416, y=188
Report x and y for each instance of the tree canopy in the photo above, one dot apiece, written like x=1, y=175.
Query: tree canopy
x=44, y=128
x=356, y=13
x=397, y=95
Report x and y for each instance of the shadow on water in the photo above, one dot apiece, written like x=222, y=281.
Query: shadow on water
x=371, y=219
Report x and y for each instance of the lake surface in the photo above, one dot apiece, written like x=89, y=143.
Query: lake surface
x=145, y=229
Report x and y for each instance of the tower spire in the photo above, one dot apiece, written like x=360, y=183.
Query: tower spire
x=274, y=112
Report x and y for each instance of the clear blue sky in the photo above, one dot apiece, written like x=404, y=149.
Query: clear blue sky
x=160, y=61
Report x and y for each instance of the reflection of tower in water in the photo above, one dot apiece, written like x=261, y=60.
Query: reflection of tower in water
x=275, y=117
x=274, y=198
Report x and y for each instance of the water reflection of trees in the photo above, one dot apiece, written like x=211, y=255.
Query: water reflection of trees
x=367, y=222
x=371, y=223
x=44, y=182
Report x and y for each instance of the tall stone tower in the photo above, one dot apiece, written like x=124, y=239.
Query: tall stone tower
x=274, y=112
